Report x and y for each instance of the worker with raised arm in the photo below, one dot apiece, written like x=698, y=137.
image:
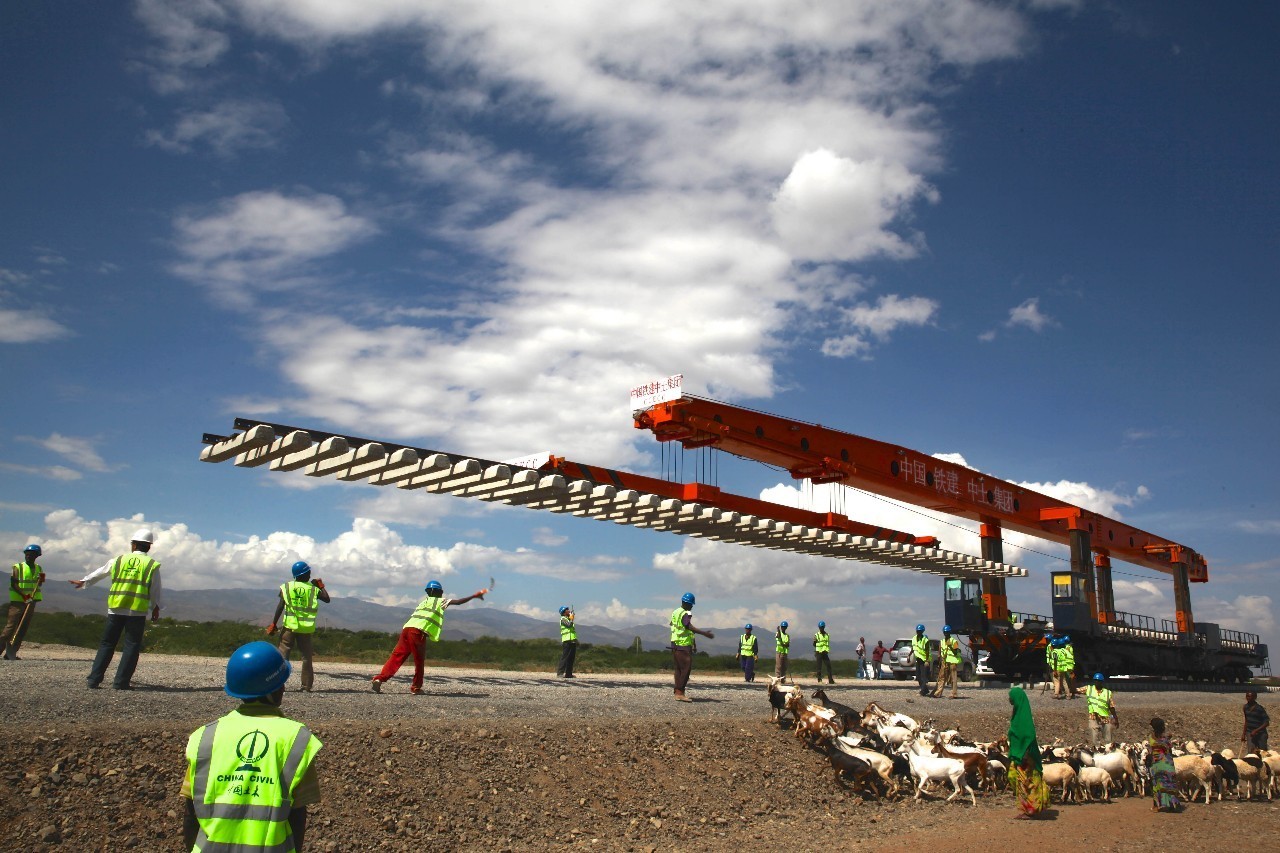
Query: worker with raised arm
x=822, y=653
x=781, y=650
x=568, y=643
x=1101, y=705
x=920, y=654
x=251, y=773
x=135, y=589
x=25, y=581
x=1051, y=661
x=1254, y=736
x=682, y=645
x=949, y=671
x=748, y=651
x=424, y=624
x=299, y=602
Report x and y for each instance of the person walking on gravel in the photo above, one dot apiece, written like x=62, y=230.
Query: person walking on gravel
x=822, y=653
x=568, y=643
x=920, y=654
x=135, y=589
x=682, y=645
x=299, y=601
x=251, y=773
x=426, y=622
x=1102, y=711
x=877, y=659
x=748, y=651
x=24, y=591
x=950, y=667
x=1256, y=721
x=781, y=650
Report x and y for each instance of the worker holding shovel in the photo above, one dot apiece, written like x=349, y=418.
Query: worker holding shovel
x=24, y=592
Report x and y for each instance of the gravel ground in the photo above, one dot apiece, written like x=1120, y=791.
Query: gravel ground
x=488, y=760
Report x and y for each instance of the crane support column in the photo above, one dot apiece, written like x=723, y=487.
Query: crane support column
x=994, y=598
x=1106, y=595
x=1082, y=564
x=1182, y=602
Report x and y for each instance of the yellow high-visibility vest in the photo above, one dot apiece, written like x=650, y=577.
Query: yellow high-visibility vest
x=680, y=635
x=568, y=632
x=428, y=616
x=301, y=604
x=131, y=582
x=822, y=642
x=951, y=651
x=747, y=646
x=28, y=580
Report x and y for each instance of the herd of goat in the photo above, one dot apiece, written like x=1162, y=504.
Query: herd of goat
x=878, y=753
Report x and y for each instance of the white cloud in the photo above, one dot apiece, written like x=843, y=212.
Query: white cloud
x=1253, y=614
x=879, y=321
x=77, y=451
x=264, y=240
x=545, y=537
x=225, y=129
x=1268, y=526
x=187, y=39
x=833, y=208
x=28, y=327
x=1028, y=314
x=48, y=472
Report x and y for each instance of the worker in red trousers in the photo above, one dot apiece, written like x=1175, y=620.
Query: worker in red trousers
x=424, y=624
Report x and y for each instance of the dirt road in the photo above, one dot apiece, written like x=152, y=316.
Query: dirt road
x=515, y=761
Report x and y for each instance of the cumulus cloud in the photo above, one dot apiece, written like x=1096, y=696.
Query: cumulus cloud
x=1029, y=314
x=1253, y=614
x=879, y=321
x=368, y=557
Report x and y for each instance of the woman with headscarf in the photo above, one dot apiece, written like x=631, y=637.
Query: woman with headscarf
x=1164, y=786
x=1025, y=770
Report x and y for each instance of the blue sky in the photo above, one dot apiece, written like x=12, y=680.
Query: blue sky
x=1041, y=236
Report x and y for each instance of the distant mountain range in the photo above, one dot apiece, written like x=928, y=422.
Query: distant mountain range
x=463, y=623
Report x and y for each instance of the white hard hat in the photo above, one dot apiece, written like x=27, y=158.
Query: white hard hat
x=142, y=534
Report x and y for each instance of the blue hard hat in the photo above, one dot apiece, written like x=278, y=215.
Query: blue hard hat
x=1066, y=638
x=784, y=623
x=1097, y=676
x=919, y=627
x=256, y=669
x=748, y=627
x=300, y=568
x=33, y=548
x=687, y=598
x=433, y=585
x=946, y=629
x=564, y=610
x=822, y=624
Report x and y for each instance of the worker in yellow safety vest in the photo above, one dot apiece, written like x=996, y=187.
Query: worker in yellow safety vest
x=1102, y=711
x=425, y=623
x=781, y=650
x=250, y=774
x=568, y=643
x=682, y=644
x=920, y=654
x=748, y=651
x=1065, y=661
x=950, y=668
x=822, y=653
x=299, y=603
x=135, y=589
x=25, y=581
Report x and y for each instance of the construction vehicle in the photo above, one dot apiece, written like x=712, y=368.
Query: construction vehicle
x=974, y=592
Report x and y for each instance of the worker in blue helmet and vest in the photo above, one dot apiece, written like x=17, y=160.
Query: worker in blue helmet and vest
x=1101, y=705
x=424, y=624
x=682, y=644
x=748, y=651
x=920, y=655
x=949, y=667
x=299, y=602
x=25, y=581
x=250, y=774
x=568, y=643
x=135, y=589
x=822, y=653
x=781, y=649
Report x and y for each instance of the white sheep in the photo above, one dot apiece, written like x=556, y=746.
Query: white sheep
x=1061, y=775
x=932, y=768
x=1094, y=777
x=1192, y=771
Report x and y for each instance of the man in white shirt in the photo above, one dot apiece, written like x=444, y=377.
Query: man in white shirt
x=135, y=588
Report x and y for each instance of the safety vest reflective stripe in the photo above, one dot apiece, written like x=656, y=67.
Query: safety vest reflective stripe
x=680, y=635
x=241, y=827
x=568, y=632
x=822, y=642
x=1099, y=700
x=131, y=582
x=747, y=645
x=920, y=647
x=301, y=604
x=428, y=616
x=951, y=651
x=28, y=579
